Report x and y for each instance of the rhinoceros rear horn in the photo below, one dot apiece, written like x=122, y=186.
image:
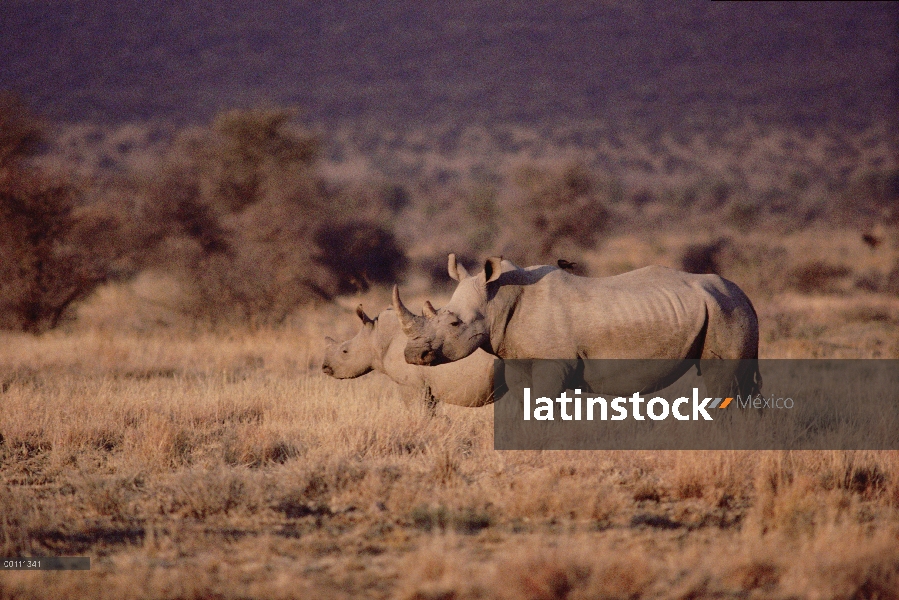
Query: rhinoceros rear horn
x=456, y=270
x=428, y=310
x=362, y=316
x=407, y=319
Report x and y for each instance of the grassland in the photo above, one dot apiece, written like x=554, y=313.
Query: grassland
x=193, y=460
x=222, y=464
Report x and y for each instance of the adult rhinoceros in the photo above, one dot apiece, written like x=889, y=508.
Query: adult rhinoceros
x=544, y=312
x=379, y=347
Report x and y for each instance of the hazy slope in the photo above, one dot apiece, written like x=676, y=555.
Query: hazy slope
x=467, y=59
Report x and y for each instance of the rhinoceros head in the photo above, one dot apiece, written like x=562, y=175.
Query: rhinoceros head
x=352, y=358
x=456, y=330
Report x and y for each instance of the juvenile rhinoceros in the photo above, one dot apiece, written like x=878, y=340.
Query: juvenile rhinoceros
x=544, y=312
x=379, y=347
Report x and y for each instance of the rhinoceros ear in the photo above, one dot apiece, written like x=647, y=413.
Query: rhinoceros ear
x=493, y=268
x=362, y=316
x=456, y=270
x=428, y=310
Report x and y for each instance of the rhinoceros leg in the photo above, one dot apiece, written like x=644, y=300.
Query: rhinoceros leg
x=729, y=360
x=416, y=398
x=730, y=378
x=544, y=377
x=430, y=401
x=730, y=347
x=549, y=377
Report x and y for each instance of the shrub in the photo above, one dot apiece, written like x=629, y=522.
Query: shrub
x=816, y=276
x=704, y=258
x=562, y=212
x=254, y=150
x=892, y=279
x=21, y=131
x=359, y=254
x=55, y=246
x=744, y=215
x=482, y=212
x=241, y=214
x=869, y=198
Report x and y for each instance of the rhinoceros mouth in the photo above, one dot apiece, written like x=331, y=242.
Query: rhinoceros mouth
x=426, y=357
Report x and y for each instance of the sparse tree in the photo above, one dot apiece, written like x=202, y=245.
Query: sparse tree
x=21, y=131
x=561, y=212
x=55, y=247
x=242, y=215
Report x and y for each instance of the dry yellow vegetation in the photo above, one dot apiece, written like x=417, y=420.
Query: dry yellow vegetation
x=223, y=464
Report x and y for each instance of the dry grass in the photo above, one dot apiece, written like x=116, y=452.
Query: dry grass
x=201, y=465
x=196, y=464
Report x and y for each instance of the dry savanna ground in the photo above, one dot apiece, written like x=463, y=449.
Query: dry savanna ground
x=197, y=464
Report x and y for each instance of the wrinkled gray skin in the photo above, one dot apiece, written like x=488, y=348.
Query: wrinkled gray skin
x=379, y=347
x=543, y=312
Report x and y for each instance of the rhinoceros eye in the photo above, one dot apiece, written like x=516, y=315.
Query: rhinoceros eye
x=344, y=350
x=456, y=323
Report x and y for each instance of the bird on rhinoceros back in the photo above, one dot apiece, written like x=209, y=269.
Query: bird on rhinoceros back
x=545, y=312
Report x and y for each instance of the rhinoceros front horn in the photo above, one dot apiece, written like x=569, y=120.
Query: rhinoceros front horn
x=408, y=321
